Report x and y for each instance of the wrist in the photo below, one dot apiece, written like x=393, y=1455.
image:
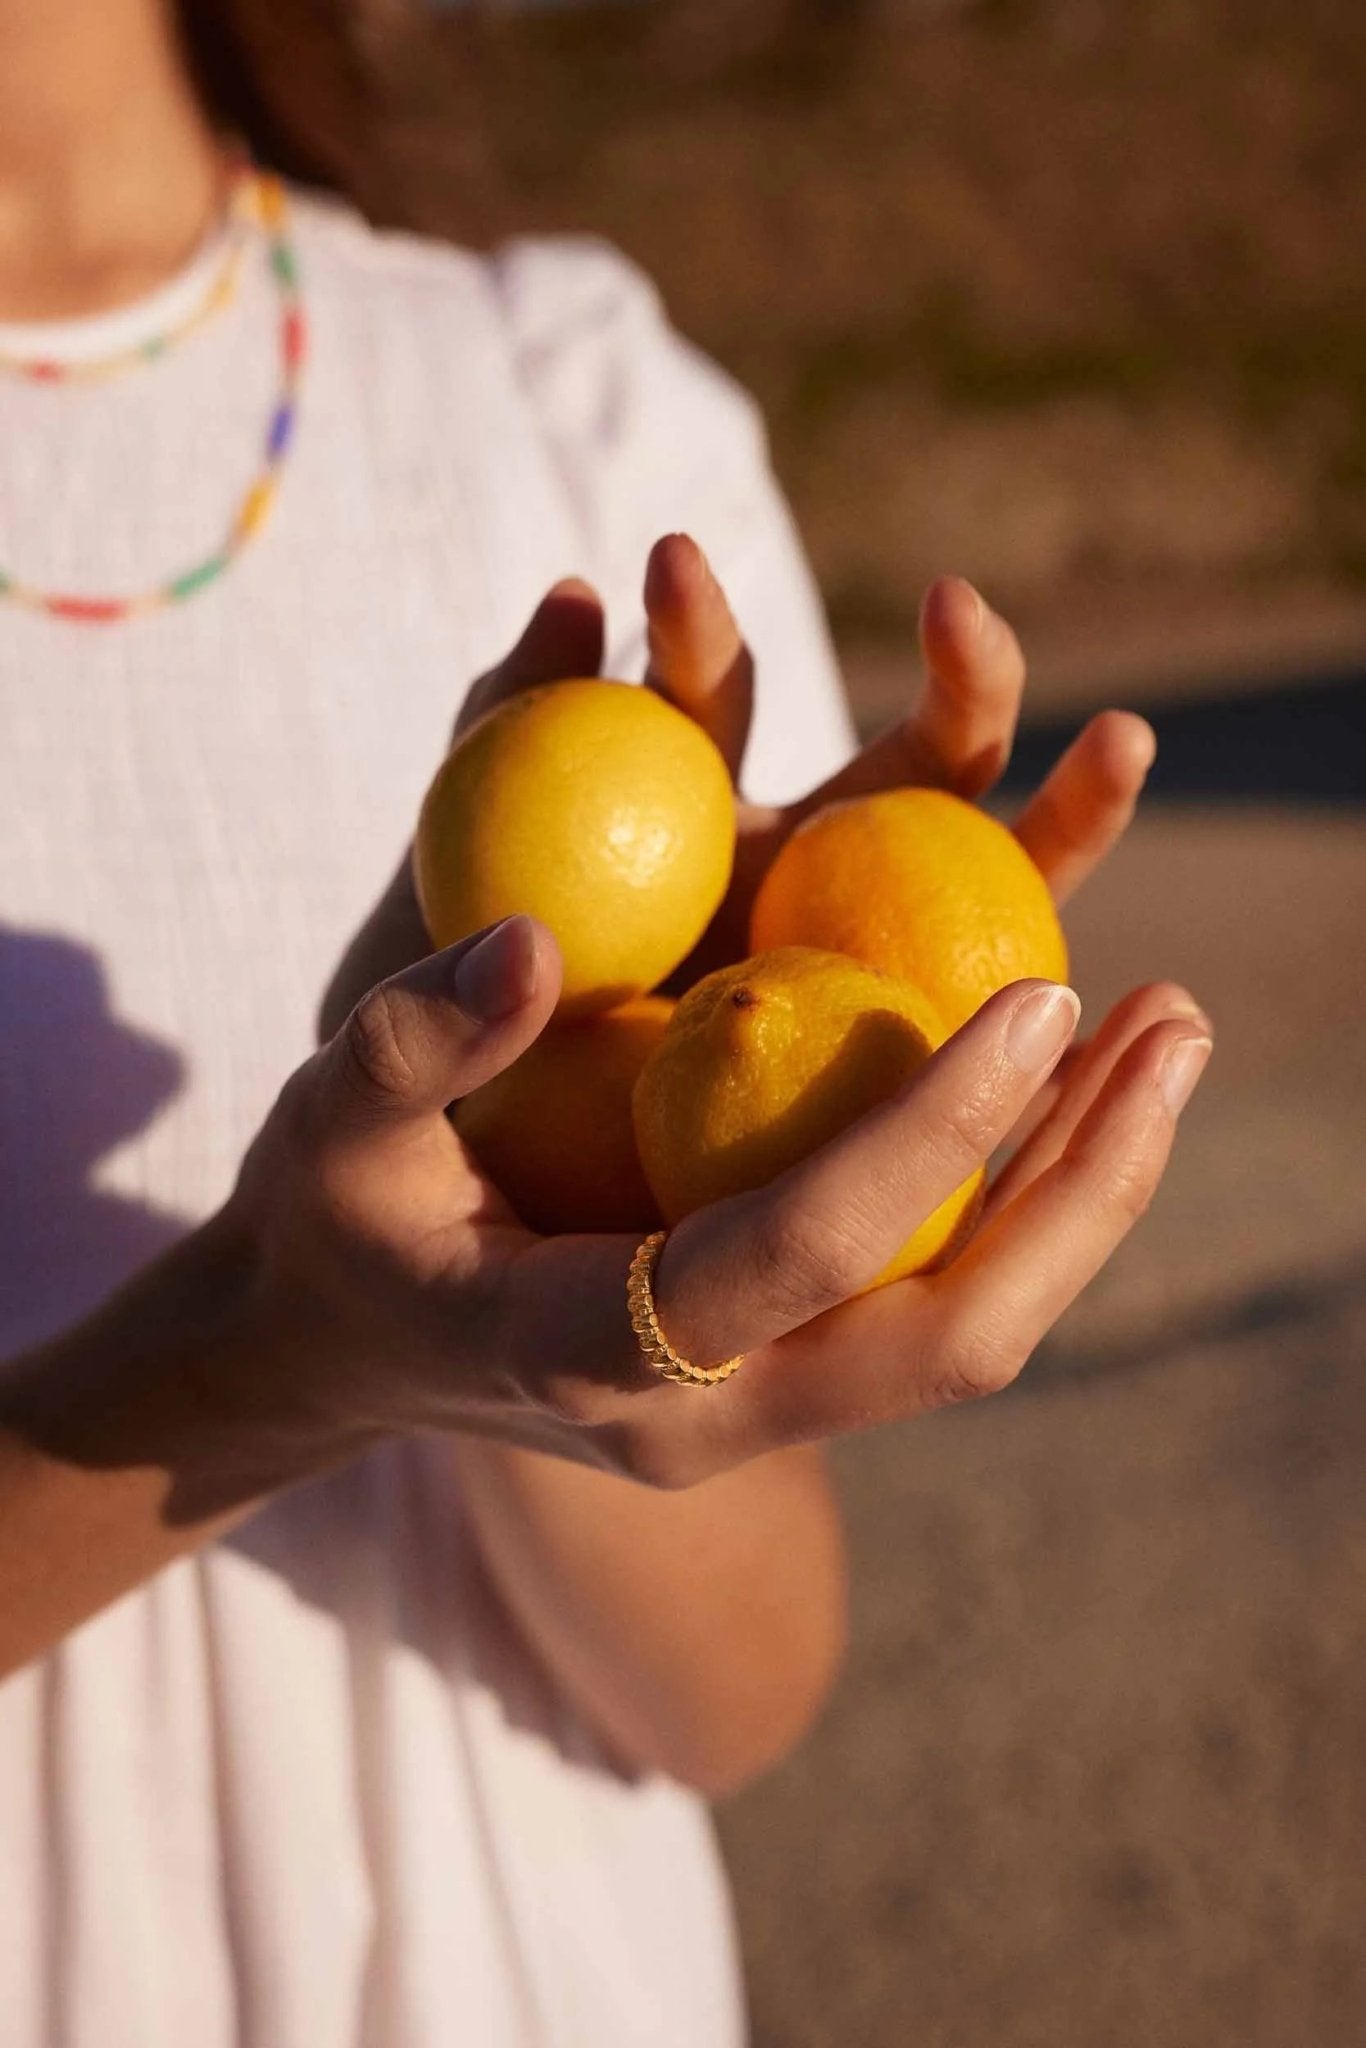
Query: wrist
x=176, y=1371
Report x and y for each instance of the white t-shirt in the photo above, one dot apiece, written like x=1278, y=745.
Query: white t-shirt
x=309, y=1789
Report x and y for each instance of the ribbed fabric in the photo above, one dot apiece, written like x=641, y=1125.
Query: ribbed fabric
x=310, y=1789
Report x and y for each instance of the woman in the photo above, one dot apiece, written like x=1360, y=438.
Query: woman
x=339, y=1711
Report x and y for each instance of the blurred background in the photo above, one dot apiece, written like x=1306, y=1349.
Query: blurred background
x=1070, y=297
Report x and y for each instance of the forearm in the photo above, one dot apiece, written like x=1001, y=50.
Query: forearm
x=699, y=1631
x=114, y=1460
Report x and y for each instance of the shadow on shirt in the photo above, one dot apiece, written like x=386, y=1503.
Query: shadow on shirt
x=75, y=1081
x=381, y=1545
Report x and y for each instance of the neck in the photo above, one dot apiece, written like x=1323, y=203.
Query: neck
x=110, y=174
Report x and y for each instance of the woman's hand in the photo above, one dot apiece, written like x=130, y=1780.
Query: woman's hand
x=1106, y=1128
x=363, y=1279
x=391, y=1289
x=957, y=736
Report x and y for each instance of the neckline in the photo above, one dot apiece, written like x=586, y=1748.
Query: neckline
x=88, y=336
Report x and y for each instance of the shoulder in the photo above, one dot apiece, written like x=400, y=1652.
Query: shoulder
x=649, y=433
x=593, y=337
x=583, y=327
x=531, y=283
x=378, y=272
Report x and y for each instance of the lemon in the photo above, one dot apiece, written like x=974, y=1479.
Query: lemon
x=922, y=885
x=554, y=1129
x=763, y=1062
x=594, y=806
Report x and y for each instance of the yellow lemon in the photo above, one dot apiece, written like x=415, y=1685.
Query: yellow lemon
x=594, y=806
x=767, y=1060
x=921, y=884
x=554, y=1129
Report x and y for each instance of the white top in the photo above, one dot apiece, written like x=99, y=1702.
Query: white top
x=309, y=1789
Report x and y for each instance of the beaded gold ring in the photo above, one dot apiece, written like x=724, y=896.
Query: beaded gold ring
x=656, y=1349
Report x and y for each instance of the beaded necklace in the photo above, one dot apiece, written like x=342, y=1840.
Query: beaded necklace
x=270, y=207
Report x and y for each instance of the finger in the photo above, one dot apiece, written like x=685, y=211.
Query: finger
x=736, y=1275
x=1042, y=1105
x=698, y=659
x=959, y=733
x=968, y=1331
x=974, y=679
x=1087, y=800
x=742, y=1272
x=428, y=1036
x=1019, y=1274
x=1083, y=1077
x=563, y=638
x=907, y=1348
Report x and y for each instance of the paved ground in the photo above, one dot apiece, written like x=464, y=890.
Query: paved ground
x=1098, y=1770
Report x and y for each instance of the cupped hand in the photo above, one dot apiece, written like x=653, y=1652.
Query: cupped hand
x=957, y=735
x=405, y=1295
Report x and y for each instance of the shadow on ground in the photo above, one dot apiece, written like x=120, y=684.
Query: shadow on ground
x=1305, y=740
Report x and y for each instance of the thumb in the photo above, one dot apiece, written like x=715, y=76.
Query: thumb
x=422, y=1039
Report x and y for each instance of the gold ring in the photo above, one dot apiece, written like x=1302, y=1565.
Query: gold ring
x=658, y=1352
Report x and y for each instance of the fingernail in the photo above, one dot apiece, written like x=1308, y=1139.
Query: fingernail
x=942, y=601
x=1181, y=1069
x=1191, y=1013
x=980, y=613
x=704, y=570
x=661, y=584
x=493, y=979
x=1041, y=1026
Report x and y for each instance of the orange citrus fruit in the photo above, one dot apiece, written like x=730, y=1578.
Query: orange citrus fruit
x=594, y=806
x=553, y=1130
x=921, y=884
x=768, y=1059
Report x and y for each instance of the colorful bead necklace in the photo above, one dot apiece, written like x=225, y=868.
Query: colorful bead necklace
x=270, y=208
x=43, y=370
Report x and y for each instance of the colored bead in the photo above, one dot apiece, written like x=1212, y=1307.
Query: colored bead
x=294, y=337
x=270, y=202
x=281, y=427
x=255, y=509
x=282, y=263
x=195, y=579
x=90, y=611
